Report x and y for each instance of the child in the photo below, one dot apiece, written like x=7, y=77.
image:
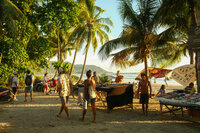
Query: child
x=161, y=93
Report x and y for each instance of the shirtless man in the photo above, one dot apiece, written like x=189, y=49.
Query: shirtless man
x=119, y=78
x=144, y=95
x=95, y=77
x=88, y=83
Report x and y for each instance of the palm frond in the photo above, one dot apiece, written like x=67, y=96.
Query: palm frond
x=106, y=21
x=109, y=46
x=94, y=41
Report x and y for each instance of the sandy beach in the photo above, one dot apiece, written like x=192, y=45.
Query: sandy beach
x=40, y=117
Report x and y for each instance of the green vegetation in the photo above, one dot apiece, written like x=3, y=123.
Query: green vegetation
x=33, y=31
x=140, y=41
x=66, y=66
x=26, y=29
x=91, y=27
x=103, y=78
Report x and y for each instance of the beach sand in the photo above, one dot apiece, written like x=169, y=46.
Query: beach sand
x=40, y=117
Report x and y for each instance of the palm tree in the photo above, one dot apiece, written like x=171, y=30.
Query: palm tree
x=182, y=15
x=140, y=40
x=77, y=48
x=66, y=46
x=91, y=27
x=9, y=12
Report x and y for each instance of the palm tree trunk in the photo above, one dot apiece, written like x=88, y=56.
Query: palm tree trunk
x=86, y=53
x=194, y=24
x=191, y=57
x=72, y=67
x=193, y=13
x=61, y=56
x=146, y=66
x=1, y=56
x=197, y=70
x=83, y=69
x=58, y=43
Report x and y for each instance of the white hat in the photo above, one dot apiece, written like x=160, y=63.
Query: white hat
x=15, y=72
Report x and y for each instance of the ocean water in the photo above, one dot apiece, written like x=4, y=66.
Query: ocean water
x=130, y=77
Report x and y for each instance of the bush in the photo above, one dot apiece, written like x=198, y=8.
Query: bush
x=103, y=78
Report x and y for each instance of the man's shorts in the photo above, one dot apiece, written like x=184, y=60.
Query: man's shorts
x=29, y=89
x=87, y=97
x=45, y=87
x=144, y=98
x=64, y=99
x=14, y=89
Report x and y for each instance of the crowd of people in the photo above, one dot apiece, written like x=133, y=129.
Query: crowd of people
x=63, y=86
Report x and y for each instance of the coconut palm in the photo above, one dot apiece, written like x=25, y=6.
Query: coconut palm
x=140, y=40
x=182, y=15
x=91, y=28
x=9, y=12
x=66, y=45
x=78, y=46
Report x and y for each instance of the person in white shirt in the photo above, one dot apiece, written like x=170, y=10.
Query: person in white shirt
x=28, y=85
x=63, y=87
x=14, y=85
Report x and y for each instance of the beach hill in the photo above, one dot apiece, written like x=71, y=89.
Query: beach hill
x=77, y=69
x=99, y=70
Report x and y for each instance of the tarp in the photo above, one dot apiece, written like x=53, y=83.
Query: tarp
x=155, y=72
x=183, y=74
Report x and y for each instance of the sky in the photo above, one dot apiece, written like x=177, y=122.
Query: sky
x=111, y=7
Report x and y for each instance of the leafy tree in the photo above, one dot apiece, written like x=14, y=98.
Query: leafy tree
x=139, y=40
x=56, y=15
x=91, y=27
x=14, y=57
x=9, y=12
x=38, y=50
x=66, y=44
x=16, y=47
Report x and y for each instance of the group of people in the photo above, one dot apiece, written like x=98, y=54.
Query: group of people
x=89, y=94
x=28, y=78
x=64, y=89
x=49, y=83
x=145, y=89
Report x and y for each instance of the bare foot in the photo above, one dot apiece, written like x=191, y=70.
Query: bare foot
x=58, y=115
x=81, y=119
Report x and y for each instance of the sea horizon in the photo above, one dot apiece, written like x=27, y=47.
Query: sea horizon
x=130, y=77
